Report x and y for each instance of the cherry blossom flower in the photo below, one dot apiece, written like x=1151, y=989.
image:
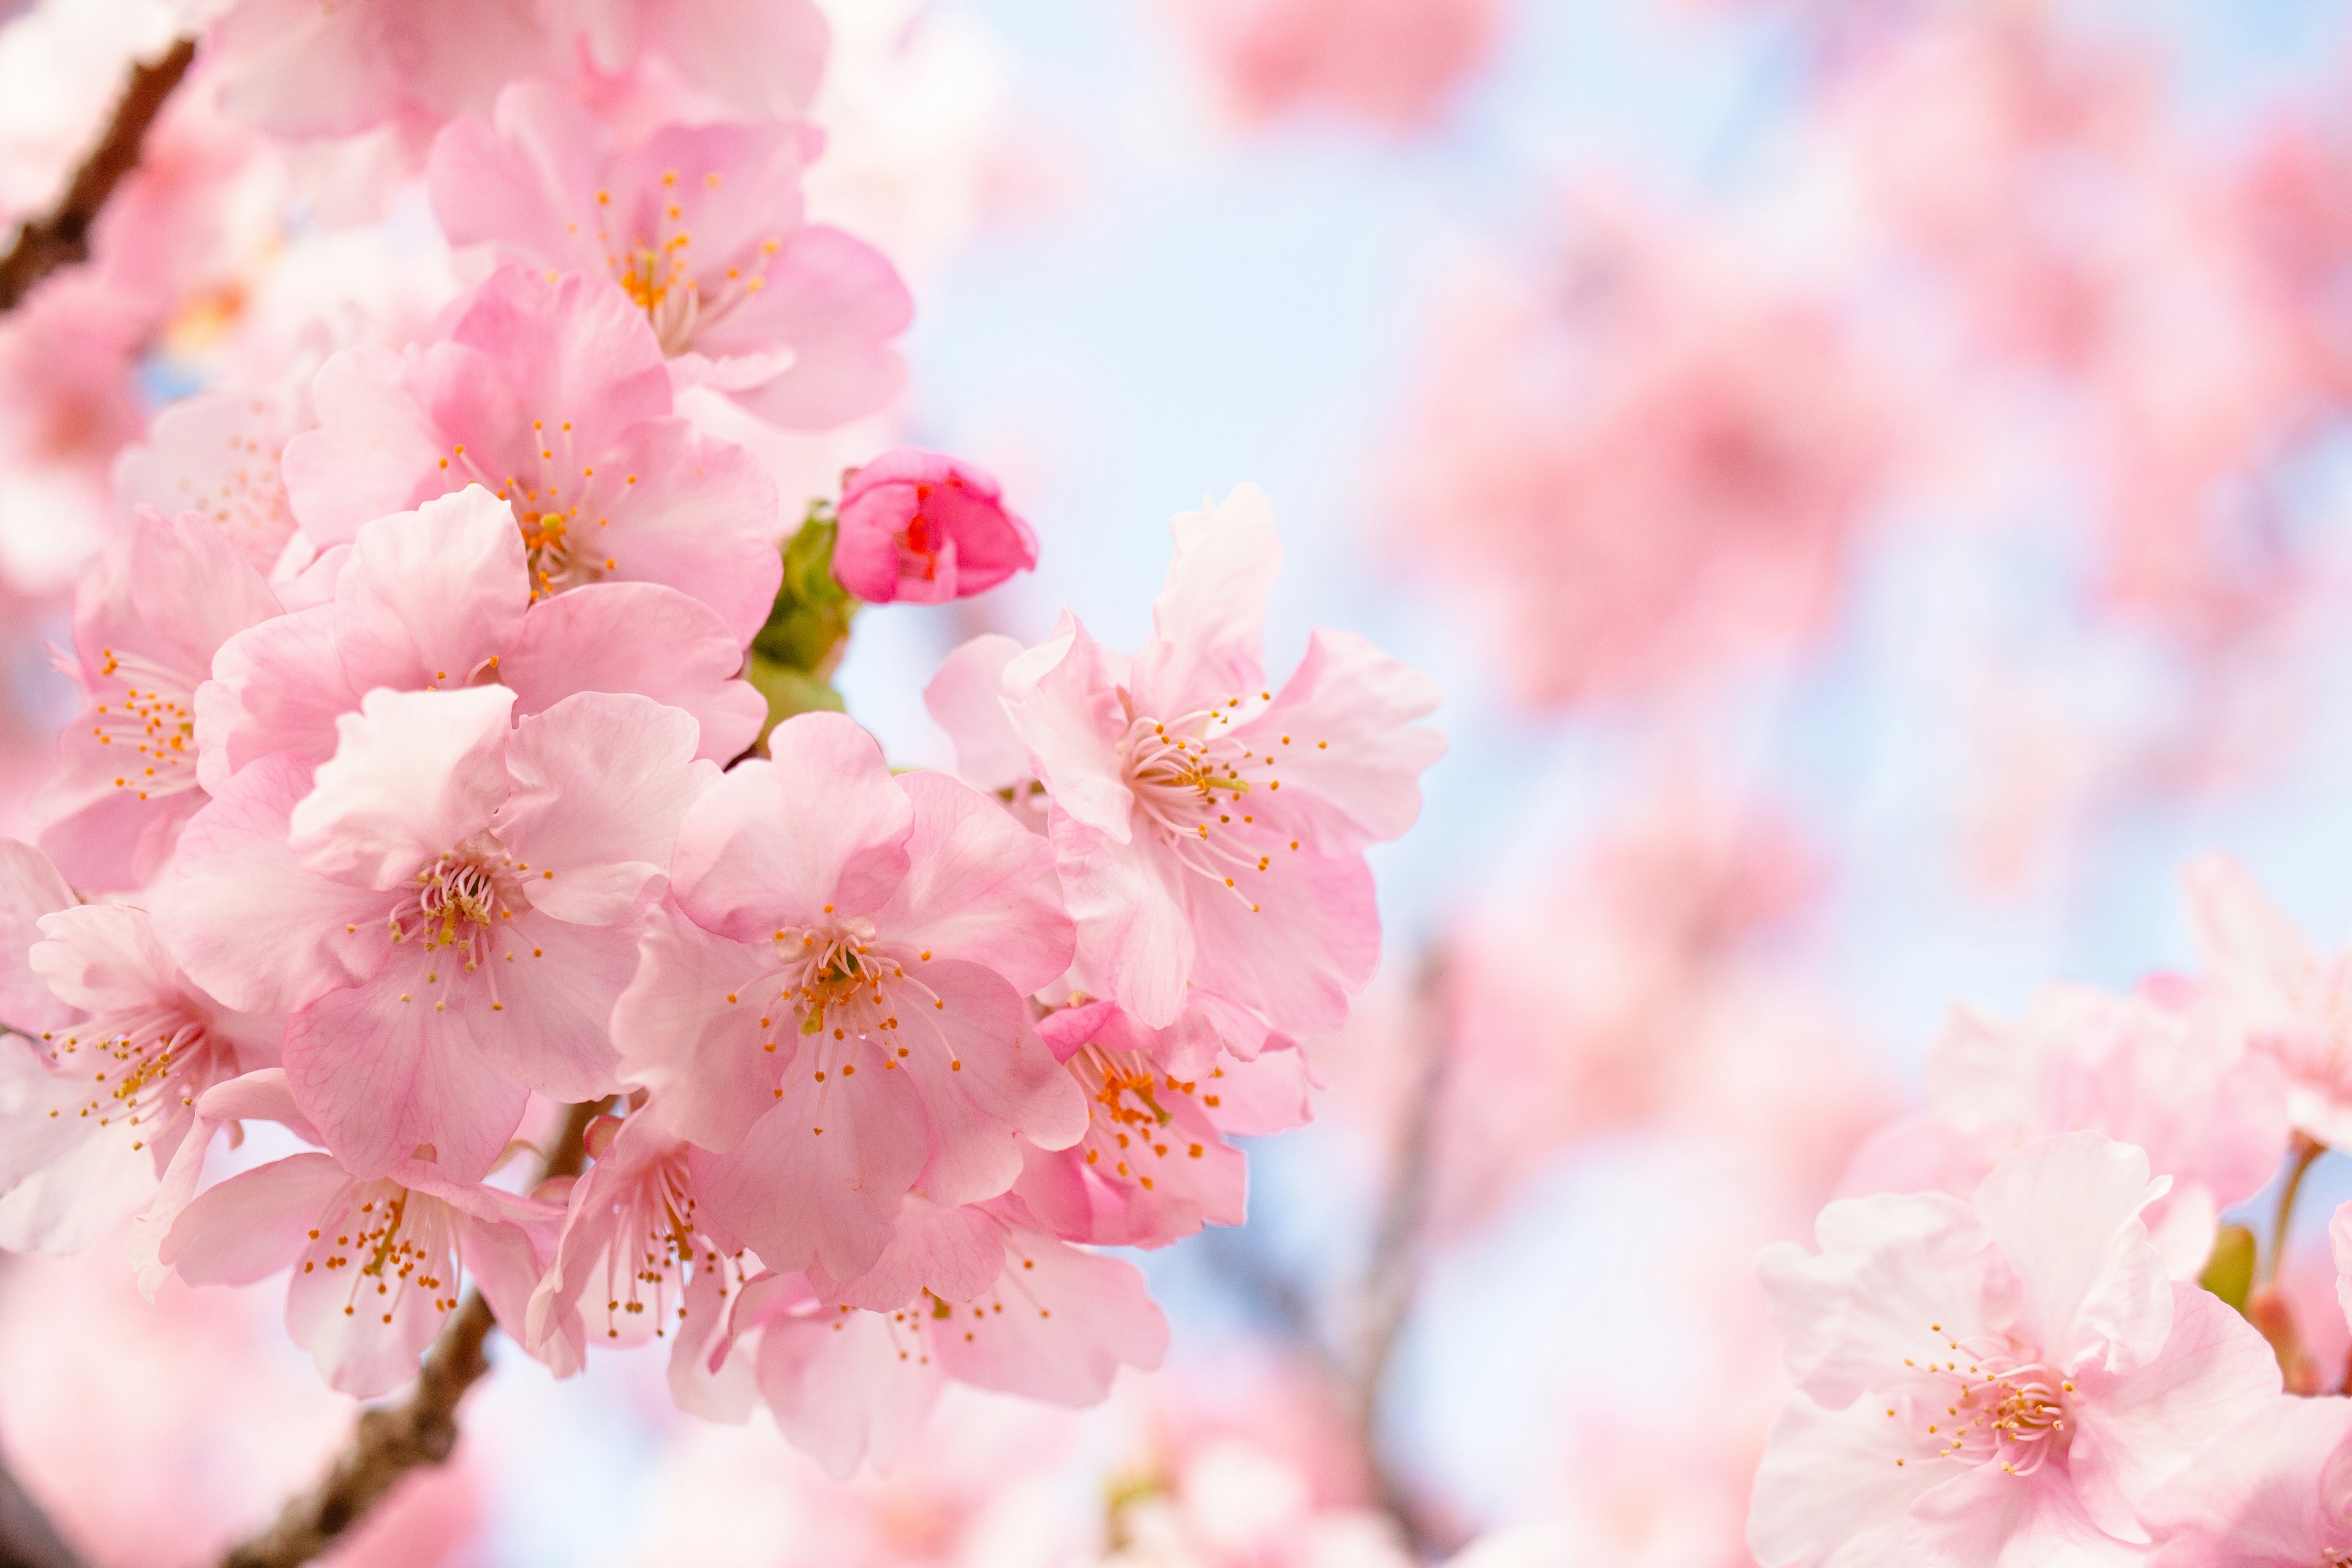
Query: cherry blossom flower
x=440, y=598
x=633, y=1262
x=2274, y=1491
x=1394, y=62
x=1153, y=1166
x=1163, y=776
x=114, y=1049
x=553, y=395
x=702, y=226
x=1234, y=1505
x=146, y=625
x=757, y=57
x=2161, y=1068
x=2291, y=1000
x=972, y=1293
x=832, y=1010
x=217, y=453
x=297, y=69
x=926, y=529
x=2008, y=1378
x=377, y=1262
x=448, y=913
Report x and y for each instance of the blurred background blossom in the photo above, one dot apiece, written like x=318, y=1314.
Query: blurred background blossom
x=1871, y=478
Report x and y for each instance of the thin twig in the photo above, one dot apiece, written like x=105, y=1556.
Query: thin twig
x=28, y=1539
x=1392, y=1272
x=393, y=1439
x=60, y=236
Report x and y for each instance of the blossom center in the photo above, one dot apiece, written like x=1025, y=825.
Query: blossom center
x=388, y=1240
x=559, y=504
x=655, y=269
x=1988, y=1403
x=151, y=722
x=1126, y=1130
x=1195, y=786
x=143, y=1065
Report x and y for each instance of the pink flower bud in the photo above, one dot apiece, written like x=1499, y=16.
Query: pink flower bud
x=921, y=527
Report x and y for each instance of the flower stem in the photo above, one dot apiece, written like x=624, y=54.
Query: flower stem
x=2304, y=1152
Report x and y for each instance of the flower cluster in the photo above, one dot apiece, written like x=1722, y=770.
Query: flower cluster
x=463, y=754
x=2025, y=1337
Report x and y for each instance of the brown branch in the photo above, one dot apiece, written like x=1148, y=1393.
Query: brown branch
x=61, y=237
x=28, y=1539
x=393, y=1439
x=1392, y=1273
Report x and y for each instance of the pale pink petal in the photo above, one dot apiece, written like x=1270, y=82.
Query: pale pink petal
x=62, y=1188
x=841, y=1390
x=1065, y=706
x=763, y=56
x=600, y=782
x=415, y=775
x=253, y=1225
x=979, y=886
x=374, y=452
x=1984, y=1519
x=429, y=598
x=1829, y=1493
x=989, y=1083
x=1342, y=728
x=642, y=637
x=2136, y=1434
x=2259, y=1495
x=681, y=1037
x=551, y=1026
x=818, y=1178
x=1207, y=644
x=249, y=922
x=838, y=304
x=2065, y=1213
x=521, y=186
x=1133, y=933
x=29, y=888
x=382, y=1068
x=953, y=1252
x=500, y=1260
x=966, y=698
x=103, y=957
x=703, y=518
x=1070, y=1320
x=820, y=828
x=278, y=686
x=1294, y=944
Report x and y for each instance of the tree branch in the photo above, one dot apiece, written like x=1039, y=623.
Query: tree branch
x=1392, y=1272
x=61, y=237
x=422, y=1429
x=28, y=1539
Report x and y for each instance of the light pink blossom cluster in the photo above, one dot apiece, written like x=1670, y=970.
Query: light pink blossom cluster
x=419, y=789
x=2026, y=1333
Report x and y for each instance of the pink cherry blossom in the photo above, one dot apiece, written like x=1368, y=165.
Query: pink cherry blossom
x=114, y=1046
x=2011, y=1378
x=448, y=913
x=2275, y=1490
x=633, y=1262
x=1153, y=1166
x=1182, y=864
x=975, y=1294
x=702, y=226
x=2292, y=1001
x=217, y=453
x=1606, y=463
x=146, y=625
x=441, y=597
x=832, y=1010
x=552, y=395
x=757, y=57
x=1394, y=62
x=926, y=529
x=377, y=1262
x=297, y=69
x=2161, y=1068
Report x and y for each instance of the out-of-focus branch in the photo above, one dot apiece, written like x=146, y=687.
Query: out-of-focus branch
x=393, y=1439
x=28, y=1539
x=1392, y=1272
x=60, y=236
